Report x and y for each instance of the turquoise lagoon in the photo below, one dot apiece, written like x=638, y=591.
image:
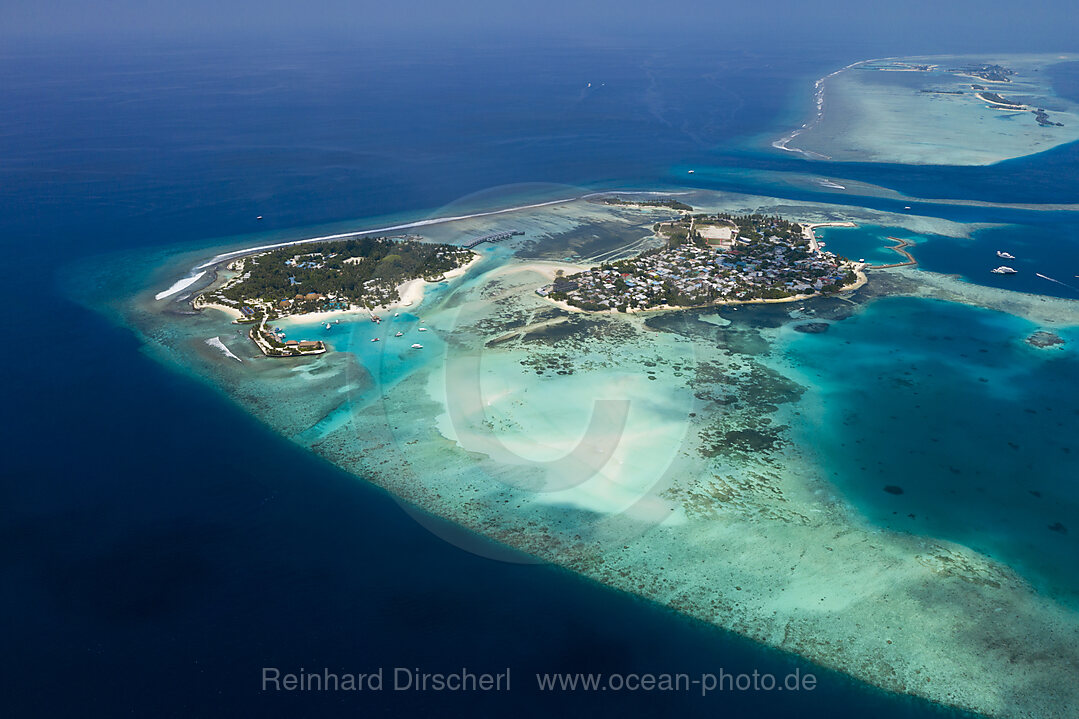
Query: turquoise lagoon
x=868, y=243
x=887, y=111
x=782, y=484
x=939, y=419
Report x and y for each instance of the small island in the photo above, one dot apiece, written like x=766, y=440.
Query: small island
x=649, y=204
x=365, y=273
x=996, y=100
x=707, y=260
x=988, y=72
x=1043, y=339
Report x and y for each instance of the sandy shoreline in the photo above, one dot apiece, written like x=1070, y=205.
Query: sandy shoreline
x=809, y=234
x=232, y=312
x=549, y=269
x=411, y=293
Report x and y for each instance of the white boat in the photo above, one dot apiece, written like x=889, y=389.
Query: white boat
x=907, y=207
x=398, y=334
x=396, y=314
x=327, y=325
x=422, y=329
x=1005, y=255
x=417, y=346
x=690, y=172
x=1003, y=270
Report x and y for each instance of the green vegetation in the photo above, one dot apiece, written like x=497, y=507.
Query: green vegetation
x=332, y=275
x=672, y=204
x=992, y=73
x=998, y=99
x=349, y=270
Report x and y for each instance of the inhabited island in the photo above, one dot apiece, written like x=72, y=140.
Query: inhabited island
x=711, y=259
x=988, y=72
x=649, y=204
x=355, y=274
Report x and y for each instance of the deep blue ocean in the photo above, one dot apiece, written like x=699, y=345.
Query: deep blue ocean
x=159, y=546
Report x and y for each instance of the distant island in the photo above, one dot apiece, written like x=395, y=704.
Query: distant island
x=669, y=204
x=355, y=274
x=987, y=72
x=711, y=259
x=996, y=99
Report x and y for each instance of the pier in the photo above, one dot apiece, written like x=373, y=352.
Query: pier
x=900, y=247
x=494, y=237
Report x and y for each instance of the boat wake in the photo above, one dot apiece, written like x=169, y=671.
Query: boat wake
x=1045, y=277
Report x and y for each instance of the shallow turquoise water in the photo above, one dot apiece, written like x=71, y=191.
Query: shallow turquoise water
x=869, y=242
x=948, y=405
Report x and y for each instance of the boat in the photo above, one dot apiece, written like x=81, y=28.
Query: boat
x=374, y=339
x=417, y=346
x=259, y=217
x=1005, y=255
x=337, y=322
x=422, y=329
x=690, y=172
x=1003, y=270
x=327, y=325
x=862, y=260
x=398, y=334
x=396, y=314
x=906, y=207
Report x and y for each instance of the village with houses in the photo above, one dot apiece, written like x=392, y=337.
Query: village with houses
x=711, y=259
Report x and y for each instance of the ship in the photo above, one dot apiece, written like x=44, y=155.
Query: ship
x=1004, y=270
x=1004, y=255
x=417, y=346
